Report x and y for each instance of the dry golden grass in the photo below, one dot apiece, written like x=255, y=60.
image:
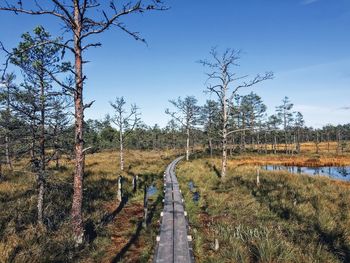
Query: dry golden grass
x=21, y=240
x=288, y=218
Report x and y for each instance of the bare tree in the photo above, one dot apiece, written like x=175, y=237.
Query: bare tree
x=83, y=19
x=126, y=123
x=223, y=79
x=186, y=114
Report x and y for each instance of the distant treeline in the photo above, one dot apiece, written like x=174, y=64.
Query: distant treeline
x=20, y=136
x=101, y=135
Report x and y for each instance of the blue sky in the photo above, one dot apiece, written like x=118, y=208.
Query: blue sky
x=306, y=43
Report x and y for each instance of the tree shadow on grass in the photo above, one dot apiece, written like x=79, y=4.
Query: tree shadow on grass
x=138, y=230
x=132, y=241
x=336, y=243
x=109, y=217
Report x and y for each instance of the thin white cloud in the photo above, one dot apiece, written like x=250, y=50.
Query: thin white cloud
x=308, y=2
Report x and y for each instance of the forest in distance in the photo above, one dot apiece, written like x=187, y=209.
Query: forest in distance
x=219, y=174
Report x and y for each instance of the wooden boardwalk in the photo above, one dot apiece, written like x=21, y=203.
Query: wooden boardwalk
x=173, y=244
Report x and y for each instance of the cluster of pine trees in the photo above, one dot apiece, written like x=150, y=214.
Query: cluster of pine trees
x=257, y=131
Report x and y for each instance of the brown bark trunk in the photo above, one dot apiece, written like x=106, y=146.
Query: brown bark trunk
x=7, y=152
x=76, y=212
x=32, y=146
x=243, y=134
x=210, y=143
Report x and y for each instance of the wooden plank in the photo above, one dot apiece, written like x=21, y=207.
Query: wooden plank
x=173, y=244
x=165, y=246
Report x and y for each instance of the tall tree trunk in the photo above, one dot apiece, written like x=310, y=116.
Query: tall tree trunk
x=56, y=146
x=210, y=143
x=224, y=136
x=76, y=213
x=41, y=174
x=121, y=151
x=32, y=144
x=243, y=133
x=187, y=143
x=7, y=151
x=224, y=152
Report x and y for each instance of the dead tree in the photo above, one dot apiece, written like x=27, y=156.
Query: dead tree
x=83, y=19
x=187, y=114
x=126, y=123
x=223, y=79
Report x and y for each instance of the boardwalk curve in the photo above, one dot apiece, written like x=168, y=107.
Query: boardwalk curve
x=173, y=242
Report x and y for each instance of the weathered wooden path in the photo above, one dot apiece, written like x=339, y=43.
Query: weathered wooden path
x=173, y=242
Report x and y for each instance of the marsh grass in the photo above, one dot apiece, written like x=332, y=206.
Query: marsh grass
x=287, y=218
x=21, y=240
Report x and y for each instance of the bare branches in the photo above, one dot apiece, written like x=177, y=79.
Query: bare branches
x=175, y=117
x=97, y=27
x=186, y=111
x=7, y=60
x=126, y=121
x=88, y=105
x=81, y=24
x=258, y=78
x=18, y=8
x=222, y=75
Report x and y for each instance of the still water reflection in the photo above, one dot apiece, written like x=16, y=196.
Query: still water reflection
x=336, y=172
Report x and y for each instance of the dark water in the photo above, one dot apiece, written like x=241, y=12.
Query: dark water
x=195, y=194
x=336, y=172
x=151, y=190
